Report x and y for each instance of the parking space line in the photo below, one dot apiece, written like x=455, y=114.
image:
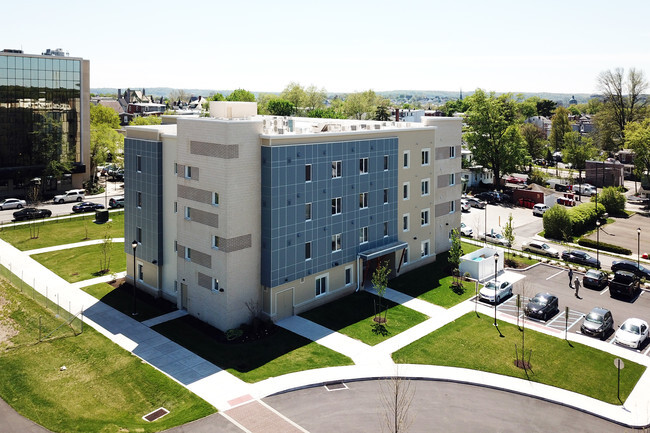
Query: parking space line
x=561, y=272
x=647, y=351
x=605, y=290
x=555, y=318
x=576, y=321
x=613, y=340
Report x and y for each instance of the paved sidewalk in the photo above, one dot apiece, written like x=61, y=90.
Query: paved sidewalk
x=68, y=246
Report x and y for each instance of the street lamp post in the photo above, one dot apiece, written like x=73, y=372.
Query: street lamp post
x=496, y=262
x=134, y=245
x=638, y=248
x=597, y=240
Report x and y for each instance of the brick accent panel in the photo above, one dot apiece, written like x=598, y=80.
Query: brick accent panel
x=205, y=281
x=198, y=257
x=235, y=244
x=443, y=180
x=442, y=153
x=180, y=171
x=194, y=194
x=205, y=218
x=442, y=209
x=224, y=151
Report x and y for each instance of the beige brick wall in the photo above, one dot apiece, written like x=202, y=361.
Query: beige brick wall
x=225, y=151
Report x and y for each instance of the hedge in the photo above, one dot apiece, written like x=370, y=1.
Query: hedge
x=583, y=217
x=603, y=246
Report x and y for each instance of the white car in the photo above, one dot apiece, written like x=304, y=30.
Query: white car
x=464, y=205
x=466, y=231
x=12, y=203
x=540, y=248
x=539, y=209
x=489, y=294
x=474, y=202
x=632, y=333
x=71, y=195
x=495, y=238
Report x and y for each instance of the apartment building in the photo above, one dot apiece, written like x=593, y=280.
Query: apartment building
x=236, y=210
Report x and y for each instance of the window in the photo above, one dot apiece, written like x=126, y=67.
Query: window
x=385, y=162
x=321, y=285
x=405, y=222
x=348, y=275
x=188, y=172
x=188, y=212
x=363, y=235
x=336, y=242
x=138, y=199
x=425, y=186
x=336, y=169
x=215, y=285
x=405, y=191
x=452, y=179
x=175, y=207
x=307, y=172
x=175, y=168
x=363, y=165
x=138, y=163
x=451, y=235
x=424, y=216
x=385, y=195
x=336, y=206
x=406, y=159
x=425, y=156
x=215, y=242
x=452, y=152
x=188, y=254
x=307, y=250
x=363, y=200
x=215, y=198
x=424, y=248
x=385, y=229
x=175, y=246
x=140, y=272
x=138, y=234
x=452, y=206
x=307, y=211
x=406, y=255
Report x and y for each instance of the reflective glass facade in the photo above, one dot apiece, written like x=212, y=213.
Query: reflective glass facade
x=40, y=116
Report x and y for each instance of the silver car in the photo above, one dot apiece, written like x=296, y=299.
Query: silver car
x=12, y=203
x=489, y=294
x=540, y=248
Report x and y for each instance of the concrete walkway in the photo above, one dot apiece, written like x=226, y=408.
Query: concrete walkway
x=226, y=392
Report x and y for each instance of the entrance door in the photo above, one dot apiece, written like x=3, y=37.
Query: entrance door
x=183, y=296
x=284, y=304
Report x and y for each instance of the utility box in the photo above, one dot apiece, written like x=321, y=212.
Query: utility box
x=101, y=216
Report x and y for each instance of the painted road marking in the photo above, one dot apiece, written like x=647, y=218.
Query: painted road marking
x=605, y=290
x=558, y=273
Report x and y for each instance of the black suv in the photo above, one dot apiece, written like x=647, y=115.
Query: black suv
x=629, y=266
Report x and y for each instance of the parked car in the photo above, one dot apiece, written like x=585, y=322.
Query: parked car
x=595, y=279
x=476, y=202
x=515, y=180
x=495, y=238
x=584, y=189
x=540, y=248
x=632, y=333
x=12, y=203
x=492, y=292
x=116, y=202
x=539, y=209
x=31, y=213
x=464, y=205
x=580, y=257
x=624, y=284
x=86, y=206
x=489, y=196
x=465, y=230
x=543, y=306
x=598, y=323
x=630, y=266
x=71, y=195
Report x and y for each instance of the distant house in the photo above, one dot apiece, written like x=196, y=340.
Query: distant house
x=604, y=173
x=583, y=124
x=543, y=123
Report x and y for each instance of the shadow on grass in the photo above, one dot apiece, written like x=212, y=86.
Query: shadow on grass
x=379, y=329
x=434, y=276
x=147, y=307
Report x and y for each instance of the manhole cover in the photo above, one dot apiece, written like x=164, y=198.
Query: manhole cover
x=158, y=413
x=336, y=386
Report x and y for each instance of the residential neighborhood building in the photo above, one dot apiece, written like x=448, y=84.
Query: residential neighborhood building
x=236, y=209
x=43, y=98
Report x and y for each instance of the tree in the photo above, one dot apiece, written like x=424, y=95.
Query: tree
x=545, y=107
x=493, y=135
x=534, y=138
x=241, y=95
x=360, y=105
x=396, y=398
x=106, y=247
x=578, y=150
x=623, y=97
x=380, y=283
x=216, y=97
x=456, y=250
x=100, y=114
x=557, y=223
x=637, y=138
x=145, y=120
x=382, y=112
x=178, y=95
x=280, y=107
x=314, y=98
x=326, y=113
x=537, y=176
x=105, y=143
x=613, y=200
x=559, y=126
x=295, y=94
x=509, y=232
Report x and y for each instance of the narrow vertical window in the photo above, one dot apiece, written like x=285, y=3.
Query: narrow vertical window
x=406, y=159
x=348, y=276
x=215, y=198
x=138, y=234
x=188, y=212
x=188, y=172
x=307, y=211
x=385, y=229
x=425, y=157
x=452, y=152
x=138, y=163
x=363, y=165
x=336, y=206
x=307, y=172
x=336, y=169
x=215, y=242
x=363, y=200
x=139, y=199
x=385, y=195
x=385, y=162
x=307, y=250
x=405, y=222
x=336, y=242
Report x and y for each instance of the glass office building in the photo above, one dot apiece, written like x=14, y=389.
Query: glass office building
x=44, y=118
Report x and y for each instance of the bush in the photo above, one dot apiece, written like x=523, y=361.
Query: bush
x=613, y=200
x=537, y=176
x=557, y=223
x=584, y=217
x=603, y=246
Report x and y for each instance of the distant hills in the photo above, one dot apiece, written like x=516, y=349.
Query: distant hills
x=400, y=96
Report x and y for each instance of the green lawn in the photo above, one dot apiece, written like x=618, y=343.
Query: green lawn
x=474, y=343
x=432, y=283
x=353, y=316
x=104, y=389
x=121, y=298
x=280, y=353
x=61, y=232
x=78, y=264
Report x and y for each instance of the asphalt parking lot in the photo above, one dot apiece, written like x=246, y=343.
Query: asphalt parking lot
x=554, y=280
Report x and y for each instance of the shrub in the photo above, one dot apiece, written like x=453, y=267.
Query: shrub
x=584, y=217
x=612, y=199
x=537, y=176
x=603, y=246
x=557, y=223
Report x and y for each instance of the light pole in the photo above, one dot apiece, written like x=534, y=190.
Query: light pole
x=496, y=262
x=485, y=223
x=134, y=245
x=638, y=248
x=597, y=239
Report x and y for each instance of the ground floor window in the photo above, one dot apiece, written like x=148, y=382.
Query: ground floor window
x=321, y=285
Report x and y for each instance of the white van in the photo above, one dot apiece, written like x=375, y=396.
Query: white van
x=71, y=195
x=539, y=209
x=585, y=189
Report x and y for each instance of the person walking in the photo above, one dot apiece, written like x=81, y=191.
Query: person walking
x=577, y=284
x=571, y=278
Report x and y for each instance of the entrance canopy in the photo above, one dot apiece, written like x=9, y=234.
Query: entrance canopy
x=383, y=250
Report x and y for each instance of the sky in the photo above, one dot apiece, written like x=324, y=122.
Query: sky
x=341, y=46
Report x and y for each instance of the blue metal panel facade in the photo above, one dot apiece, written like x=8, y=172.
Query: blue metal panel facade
x=286, y=192
x=145, y=185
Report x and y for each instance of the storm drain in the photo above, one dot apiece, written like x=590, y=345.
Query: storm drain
x=158, y=413
x=335, y=386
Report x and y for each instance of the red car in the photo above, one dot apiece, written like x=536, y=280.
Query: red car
x=517, y=180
